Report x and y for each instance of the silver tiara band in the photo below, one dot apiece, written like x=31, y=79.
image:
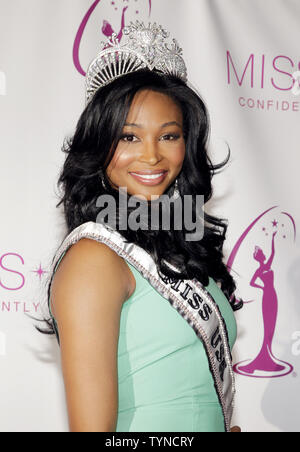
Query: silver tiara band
x=145, y=47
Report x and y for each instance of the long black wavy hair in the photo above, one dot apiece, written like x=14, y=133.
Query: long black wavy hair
x=90, y=150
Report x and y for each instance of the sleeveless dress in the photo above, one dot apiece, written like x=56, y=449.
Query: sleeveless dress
x=164, y=380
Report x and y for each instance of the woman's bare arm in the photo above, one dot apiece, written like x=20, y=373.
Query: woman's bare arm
x=87, y=293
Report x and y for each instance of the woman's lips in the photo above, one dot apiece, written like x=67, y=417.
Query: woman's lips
x=150, y=179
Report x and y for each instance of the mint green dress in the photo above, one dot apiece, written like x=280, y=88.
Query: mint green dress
x=164, y=381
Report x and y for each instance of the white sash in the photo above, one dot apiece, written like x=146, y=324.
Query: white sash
x=189, y=297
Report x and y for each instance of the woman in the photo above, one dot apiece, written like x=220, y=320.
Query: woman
x=131, y=362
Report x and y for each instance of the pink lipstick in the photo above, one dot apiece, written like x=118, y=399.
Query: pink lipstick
x=150, y=177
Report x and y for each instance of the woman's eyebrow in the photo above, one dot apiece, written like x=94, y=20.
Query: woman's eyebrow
x=172, y=123
x=167, y=124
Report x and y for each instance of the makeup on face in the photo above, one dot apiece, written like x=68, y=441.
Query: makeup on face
x=151, y=150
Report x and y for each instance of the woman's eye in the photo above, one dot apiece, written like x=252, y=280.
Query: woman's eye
x=128, y=138
x=171, y=137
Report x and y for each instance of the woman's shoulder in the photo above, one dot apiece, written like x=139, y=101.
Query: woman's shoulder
x=89, y=252
x=91, y=262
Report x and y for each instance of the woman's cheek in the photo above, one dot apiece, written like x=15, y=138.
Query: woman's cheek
x=177, y=155
x=122, y=159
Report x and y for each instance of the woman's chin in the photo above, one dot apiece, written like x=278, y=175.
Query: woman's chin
x=146, y=197
x=149, y=195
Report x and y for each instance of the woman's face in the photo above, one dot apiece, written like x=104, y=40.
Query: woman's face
x=151, y=152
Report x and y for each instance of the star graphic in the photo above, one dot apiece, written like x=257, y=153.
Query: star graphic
x=275, y=223
x=40, y=272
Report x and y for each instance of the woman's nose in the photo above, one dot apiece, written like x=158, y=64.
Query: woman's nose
x=150, y=153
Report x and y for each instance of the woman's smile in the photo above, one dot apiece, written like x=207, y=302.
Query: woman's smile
x=150, y=177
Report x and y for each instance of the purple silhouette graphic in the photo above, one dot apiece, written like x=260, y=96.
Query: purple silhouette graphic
x=265, y=365
x=107, y=31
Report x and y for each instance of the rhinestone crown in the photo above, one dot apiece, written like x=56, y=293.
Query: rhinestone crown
x=145, y=47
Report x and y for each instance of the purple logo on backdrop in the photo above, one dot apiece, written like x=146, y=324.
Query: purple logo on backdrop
x=264, y=71
x=12, y=280
x=266, y=364
x=107, y=29
x=259, y=67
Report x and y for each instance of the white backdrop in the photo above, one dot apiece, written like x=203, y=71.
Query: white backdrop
x=241, y=55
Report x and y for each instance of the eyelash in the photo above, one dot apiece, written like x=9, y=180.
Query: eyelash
x=175, y=137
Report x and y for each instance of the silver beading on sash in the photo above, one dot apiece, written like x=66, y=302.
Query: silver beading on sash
x=194, y=303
